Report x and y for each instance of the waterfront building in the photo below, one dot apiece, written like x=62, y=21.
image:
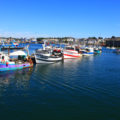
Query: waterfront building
x=112, y=42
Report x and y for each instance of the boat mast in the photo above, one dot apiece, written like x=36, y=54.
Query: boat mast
x=27, y=50
x=44, y=45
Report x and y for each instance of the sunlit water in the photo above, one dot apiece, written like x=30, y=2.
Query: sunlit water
x=87, y=88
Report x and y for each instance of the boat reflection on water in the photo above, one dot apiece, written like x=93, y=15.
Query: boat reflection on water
x=42, y=68
x=72, y=61
x=90, y=58
x=49, y=67
x=16, y=73
x=52, y=73
x=17, y=79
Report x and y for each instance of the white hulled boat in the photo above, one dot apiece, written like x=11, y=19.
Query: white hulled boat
x=48, y=55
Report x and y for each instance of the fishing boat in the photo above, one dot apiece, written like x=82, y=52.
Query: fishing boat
x=111, y=48
x=48, y=55
x=71, y=52
x=108, y=47
x=97, y=50
x=20, y=61
x=13, y=46
x=88, y=51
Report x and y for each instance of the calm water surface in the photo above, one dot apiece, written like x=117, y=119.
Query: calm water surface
x=87, y=88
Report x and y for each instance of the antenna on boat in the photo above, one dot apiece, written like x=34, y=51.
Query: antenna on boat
x=44, y=44
x=26, y=48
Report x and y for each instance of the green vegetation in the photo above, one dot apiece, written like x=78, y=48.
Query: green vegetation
x=92, y=38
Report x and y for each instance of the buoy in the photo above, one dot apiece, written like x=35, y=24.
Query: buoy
x=7, y=63
x=54, y=50
x=58, y=50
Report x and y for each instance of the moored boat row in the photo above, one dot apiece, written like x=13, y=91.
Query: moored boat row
x=46, y=54
x=51, y=55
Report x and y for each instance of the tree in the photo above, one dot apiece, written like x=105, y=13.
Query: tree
x=92, y=38
x=100, y=37
x=40, y=40
x=113, y=37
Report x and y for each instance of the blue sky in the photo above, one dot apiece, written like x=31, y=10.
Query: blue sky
x=59, y=18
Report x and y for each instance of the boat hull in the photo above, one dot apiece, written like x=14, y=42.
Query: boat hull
x=5, y=67
x=39, y=59
x=11, y=48
x=68, y=54
x=87, y=53
x=97, y=52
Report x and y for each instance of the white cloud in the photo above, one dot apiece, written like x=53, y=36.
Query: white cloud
x=21, y=34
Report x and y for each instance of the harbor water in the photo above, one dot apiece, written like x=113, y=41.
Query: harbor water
x=86, y=88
